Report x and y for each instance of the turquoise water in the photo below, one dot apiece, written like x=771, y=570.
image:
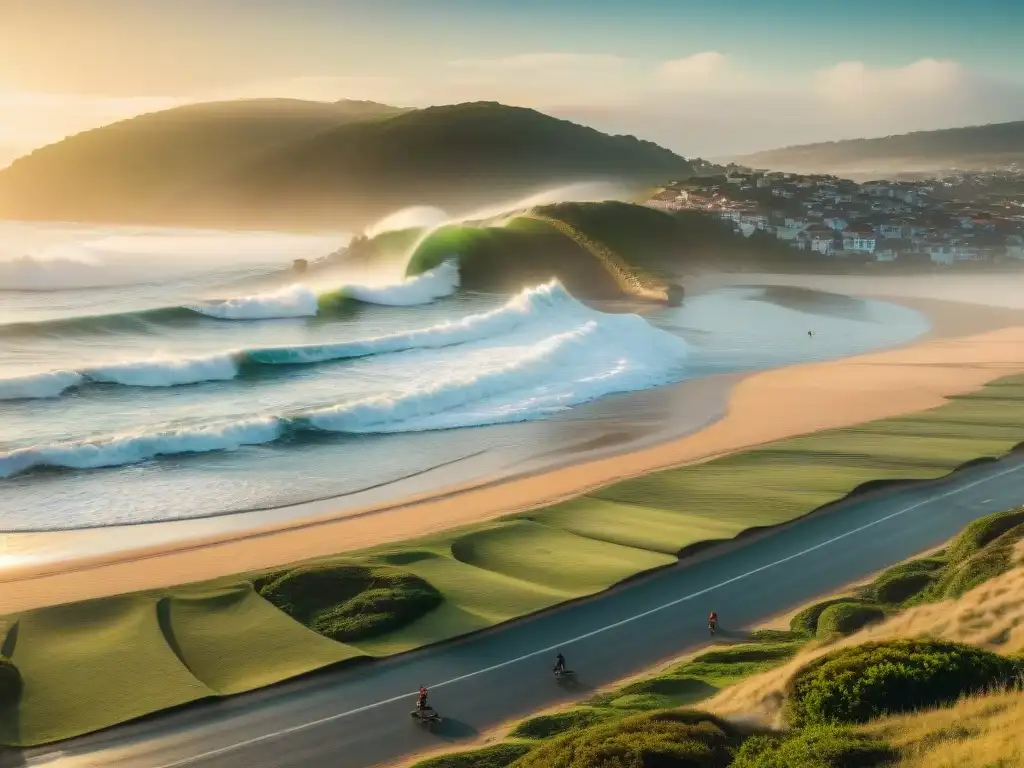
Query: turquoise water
x=151, y=375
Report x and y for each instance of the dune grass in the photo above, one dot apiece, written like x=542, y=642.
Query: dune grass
x=139, y=654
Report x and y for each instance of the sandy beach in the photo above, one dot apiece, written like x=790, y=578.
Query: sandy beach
x=968, y=346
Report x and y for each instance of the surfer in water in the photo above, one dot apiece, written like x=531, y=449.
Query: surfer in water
x=810, y=334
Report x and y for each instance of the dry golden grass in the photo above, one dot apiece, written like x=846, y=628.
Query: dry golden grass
x=990, y=616
x=977, y=732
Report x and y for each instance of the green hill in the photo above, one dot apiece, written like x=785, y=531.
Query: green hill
x=351, y=173
x=143, y=168
x=978, y=146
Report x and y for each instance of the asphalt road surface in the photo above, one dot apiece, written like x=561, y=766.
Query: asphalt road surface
x=360, y=716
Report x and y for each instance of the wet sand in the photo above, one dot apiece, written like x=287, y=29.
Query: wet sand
x=616, y=438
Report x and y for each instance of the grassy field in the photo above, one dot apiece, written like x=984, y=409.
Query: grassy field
x=130, y=656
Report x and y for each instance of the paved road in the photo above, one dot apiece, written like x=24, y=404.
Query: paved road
x=360, y=717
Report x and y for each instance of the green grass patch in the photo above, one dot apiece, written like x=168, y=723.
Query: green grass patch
x=806, y=621
x=843, y=619
x=981, y=532
x=496, y=756
x=994, y=559
x=557, y=723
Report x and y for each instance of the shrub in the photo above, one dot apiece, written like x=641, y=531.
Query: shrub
x=897, y=588
x=10, y=683
x=806, y=622
x=994, y=559
x=546, y=726
x=497, y=756
x=855, y=684
x=666, y=739
x=739, y=654
x=983, y=531
x=846, y=618
x=814, y=747
x=351, y=602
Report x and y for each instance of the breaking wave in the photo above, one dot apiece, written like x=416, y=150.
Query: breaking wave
x=286, y=302
x=557, y=353
x=534, y=305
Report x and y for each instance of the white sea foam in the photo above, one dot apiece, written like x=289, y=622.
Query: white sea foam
x=291, y=301
x=431, y=285
x=39, y=385
x=119, y=450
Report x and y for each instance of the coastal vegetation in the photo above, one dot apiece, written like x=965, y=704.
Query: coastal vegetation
x=313, y=165
x=136, y=654
x=977, y=146
x=845, y=702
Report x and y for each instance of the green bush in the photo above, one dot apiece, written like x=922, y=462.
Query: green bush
x=497, y=756
x=855, y=684
x=995, y=559
x=739, y=654
x=666, y=739
x=351, y=602
x=983, y=531
x=10, y=683
x=846, y=618
x=546, y=726
x=806, y=622
x=814, y=747
x=905, y=581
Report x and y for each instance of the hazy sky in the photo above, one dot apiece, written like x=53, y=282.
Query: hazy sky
x=704, y=78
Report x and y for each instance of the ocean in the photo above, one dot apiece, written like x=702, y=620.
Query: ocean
x=151, y=374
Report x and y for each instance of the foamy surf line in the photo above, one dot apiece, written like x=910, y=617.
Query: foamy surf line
x=600, y=355
x=534, y=305
x=293, y=301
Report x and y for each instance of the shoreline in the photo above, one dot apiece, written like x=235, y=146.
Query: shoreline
x=763, y=406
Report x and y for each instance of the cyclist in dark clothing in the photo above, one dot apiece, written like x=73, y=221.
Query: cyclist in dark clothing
x=559, y=663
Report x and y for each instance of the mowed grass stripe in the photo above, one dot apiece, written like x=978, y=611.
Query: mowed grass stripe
x=233, y=640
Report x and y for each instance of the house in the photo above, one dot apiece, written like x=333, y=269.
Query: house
x=859, y=239
x=939, y=253
x=835, y=222
x=735, y=178
x=751, y=222
x=890, y=231
x=764, y=182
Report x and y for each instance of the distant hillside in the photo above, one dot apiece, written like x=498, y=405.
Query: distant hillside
x=139, y=169
x=456, y=157
x=967, y=148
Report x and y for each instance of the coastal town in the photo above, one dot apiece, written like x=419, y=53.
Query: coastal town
x=958, y=218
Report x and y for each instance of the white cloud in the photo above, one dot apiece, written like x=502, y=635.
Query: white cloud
x=698, y=69
x=848, y=81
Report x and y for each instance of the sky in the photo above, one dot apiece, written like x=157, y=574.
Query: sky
x=710, y=78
